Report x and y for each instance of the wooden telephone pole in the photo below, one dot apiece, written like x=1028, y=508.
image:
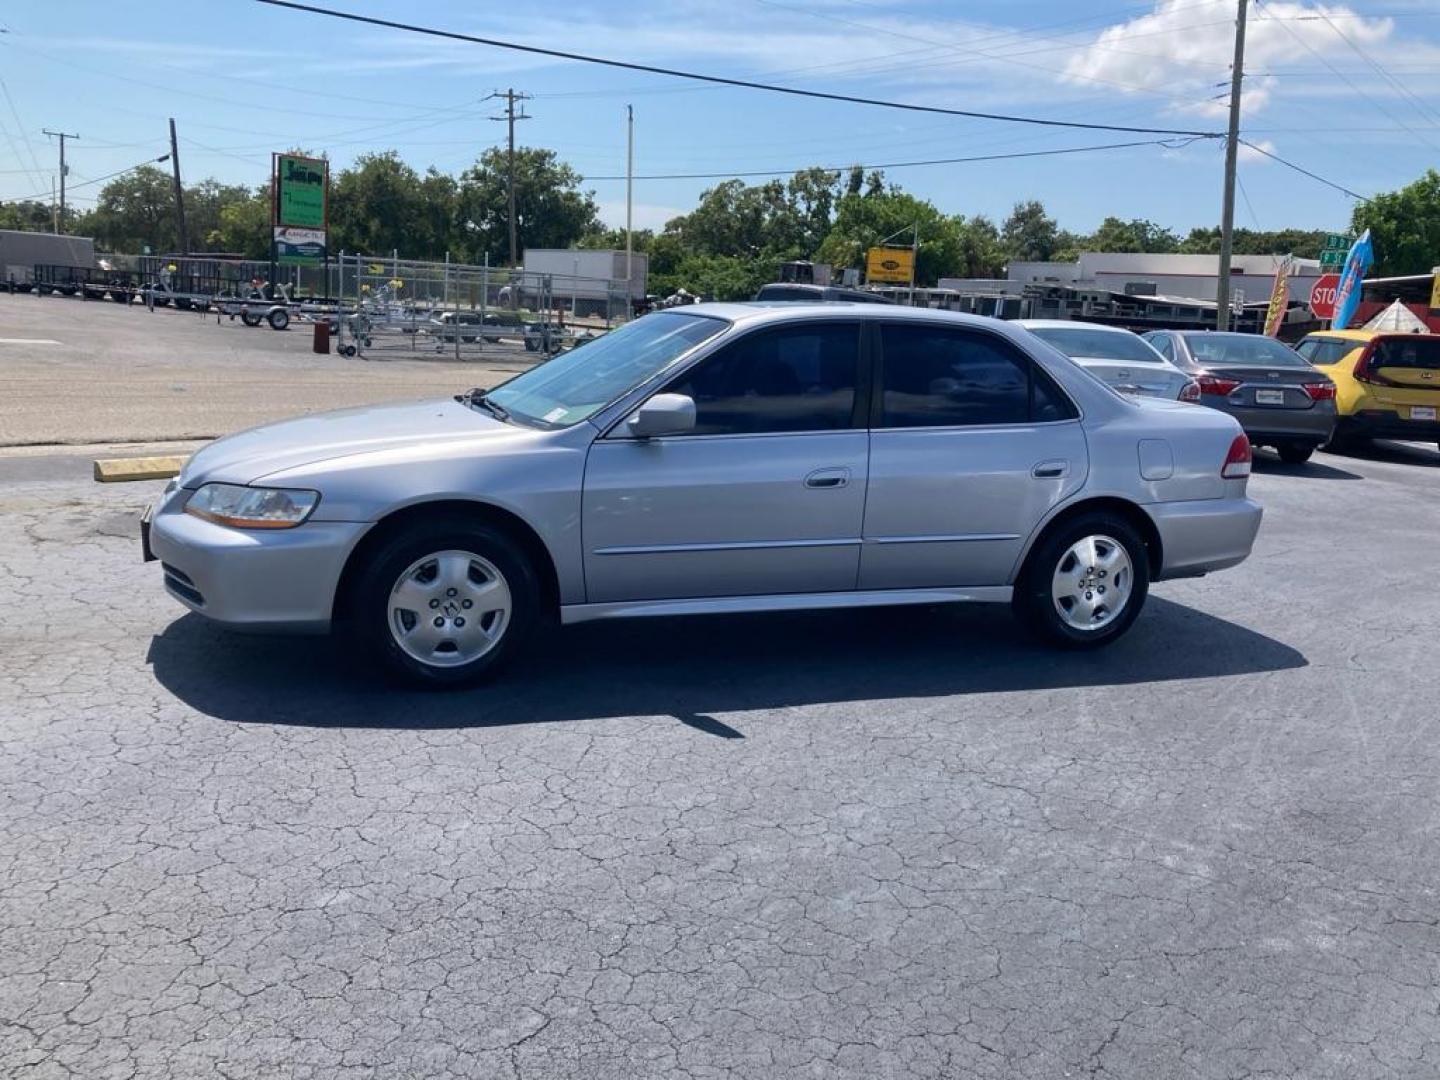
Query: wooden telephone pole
x=510, y=97
x=62, y=136
x=1227, y=210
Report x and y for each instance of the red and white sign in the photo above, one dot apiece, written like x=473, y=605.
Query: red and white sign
x=1322, y=296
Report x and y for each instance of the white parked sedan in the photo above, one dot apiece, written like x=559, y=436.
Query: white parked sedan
x=715, y=458
x=1116, y=357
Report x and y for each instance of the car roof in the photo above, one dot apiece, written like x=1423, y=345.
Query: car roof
x=751, y=312
x=1348, y=335
x=1067, y=324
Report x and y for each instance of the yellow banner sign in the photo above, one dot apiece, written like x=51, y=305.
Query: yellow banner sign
x=1435, y=294
x=1279, y=299
x=895, y=265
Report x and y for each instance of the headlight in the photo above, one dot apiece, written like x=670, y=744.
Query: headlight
x=252, y=507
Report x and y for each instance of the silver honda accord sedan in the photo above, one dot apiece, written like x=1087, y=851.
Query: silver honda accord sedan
x=720, y=458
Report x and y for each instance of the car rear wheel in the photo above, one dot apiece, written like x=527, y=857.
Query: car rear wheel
x=1295, y=453
x=445, y=603
x=1085, y=582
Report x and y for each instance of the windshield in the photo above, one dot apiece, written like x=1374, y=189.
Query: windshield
x=1242, y=349
x=577, y=384
x=1093, y=344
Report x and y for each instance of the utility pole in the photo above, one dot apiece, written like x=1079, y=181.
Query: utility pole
x=179, y=190
x=1227, y=210
x=62, y=136
x=510, y=97
x=629, y=204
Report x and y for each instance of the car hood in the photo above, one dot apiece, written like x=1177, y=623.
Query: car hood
x=247, y=456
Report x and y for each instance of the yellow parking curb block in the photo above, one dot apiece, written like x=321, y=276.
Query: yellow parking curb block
x=118, y=470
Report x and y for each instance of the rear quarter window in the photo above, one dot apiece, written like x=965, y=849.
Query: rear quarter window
x=1325, y=351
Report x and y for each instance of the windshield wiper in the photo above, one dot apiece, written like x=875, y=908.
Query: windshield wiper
x=479, y=397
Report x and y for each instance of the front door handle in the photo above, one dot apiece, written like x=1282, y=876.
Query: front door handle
x=1050, y=470
x=828, y=478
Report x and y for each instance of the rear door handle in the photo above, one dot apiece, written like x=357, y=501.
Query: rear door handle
x=828, y=478
x=1050, y=470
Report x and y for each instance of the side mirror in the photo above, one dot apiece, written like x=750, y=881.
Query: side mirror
x=663, y=414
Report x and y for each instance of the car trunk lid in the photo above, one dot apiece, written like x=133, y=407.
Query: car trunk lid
x=1145, y=380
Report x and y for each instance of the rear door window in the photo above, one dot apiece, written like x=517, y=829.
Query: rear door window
x=938, y=377
x=1323, y=352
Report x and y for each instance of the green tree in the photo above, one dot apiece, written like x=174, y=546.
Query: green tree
x=551, y=210
x=1134, y=235
x=135, y=211
x=1305, y=243
x=982, y=254
x=28, y=215
x=243, y=226
x=1404, y=227
x=1029, y=234
x=864, y=220
x=375, y=207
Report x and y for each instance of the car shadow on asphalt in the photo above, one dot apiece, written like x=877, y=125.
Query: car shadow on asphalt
x=694, y=668
x=1391, y=452
x=1267, y=465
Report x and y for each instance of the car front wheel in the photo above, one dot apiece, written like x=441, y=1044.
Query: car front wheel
x=1085, y=583
x=445, y=603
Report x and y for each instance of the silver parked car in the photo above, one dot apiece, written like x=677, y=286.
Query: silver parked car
x=1279, y=399
x=719, y=458
x=1116, y=356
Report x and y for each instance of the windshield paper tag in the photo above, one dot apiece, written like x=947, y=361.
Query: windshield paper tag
x=555, y=415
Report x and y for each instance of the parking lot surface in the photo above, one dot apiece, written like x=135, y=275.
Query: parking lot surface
x=869, y=844
x=74, y=371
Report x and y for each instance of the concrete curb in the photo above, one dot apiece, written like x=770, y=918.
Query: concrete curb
x=120, y=470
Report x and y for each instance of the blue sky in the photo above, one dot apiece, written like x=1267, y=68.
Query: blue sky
x=1350, y=91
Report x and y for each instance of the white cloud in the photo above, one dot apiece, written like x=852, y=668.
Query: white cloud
x=1185, y=48
x=1246, y=154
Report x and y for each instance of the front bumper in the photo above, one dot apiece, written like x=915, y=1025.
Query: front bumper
x=275, y=579
x=1202, y=535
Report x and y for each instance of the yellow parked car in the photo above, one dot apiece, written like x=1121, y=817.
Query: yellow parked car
x=1387, y=385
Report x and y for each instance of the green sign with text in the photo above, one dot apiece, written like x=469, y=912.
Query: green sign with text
x=300, y=190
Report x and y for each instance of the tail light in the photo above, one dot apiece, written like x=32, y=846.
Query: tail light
x=1237, y=461
x=1362, y=372
x=1319, y=391
x=1213, y=384
x=1190, y=391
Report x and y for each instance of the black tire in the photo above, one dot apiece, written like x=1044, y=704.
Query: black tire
x=279, y=319
x=1295, y=453
x=369, y=611
x=249, y=318
x=1036, y=607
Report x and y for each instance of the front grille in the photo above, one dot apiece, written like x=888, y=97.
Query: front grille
x=179, y=583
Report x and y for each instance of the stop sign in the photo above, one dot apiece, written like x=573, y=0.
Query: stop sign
x=1322, y=296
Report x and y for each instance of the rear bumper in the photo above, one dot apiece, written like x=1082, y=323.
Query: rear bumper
x=1199, y=536
x=1312, y=425
x=1387, y=424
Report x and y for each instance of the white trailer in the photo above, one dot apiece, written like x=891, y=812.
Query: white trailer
x=21, y=252
x=591, y=278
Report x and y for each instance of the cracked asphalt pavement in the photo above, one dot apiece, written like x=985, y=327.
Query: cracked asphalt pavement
x=868, y=844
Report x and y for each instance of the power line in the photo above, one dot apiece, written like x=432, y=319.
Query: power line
x=1394, y=82
x=107, y=176
x=1313, y=176
x=720, y=80
x=1345, y=78
x=1168, y=143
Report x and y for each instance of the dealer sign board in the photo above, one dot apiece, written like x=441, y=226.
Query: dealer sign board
x=301, y=208
x=894, y=265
